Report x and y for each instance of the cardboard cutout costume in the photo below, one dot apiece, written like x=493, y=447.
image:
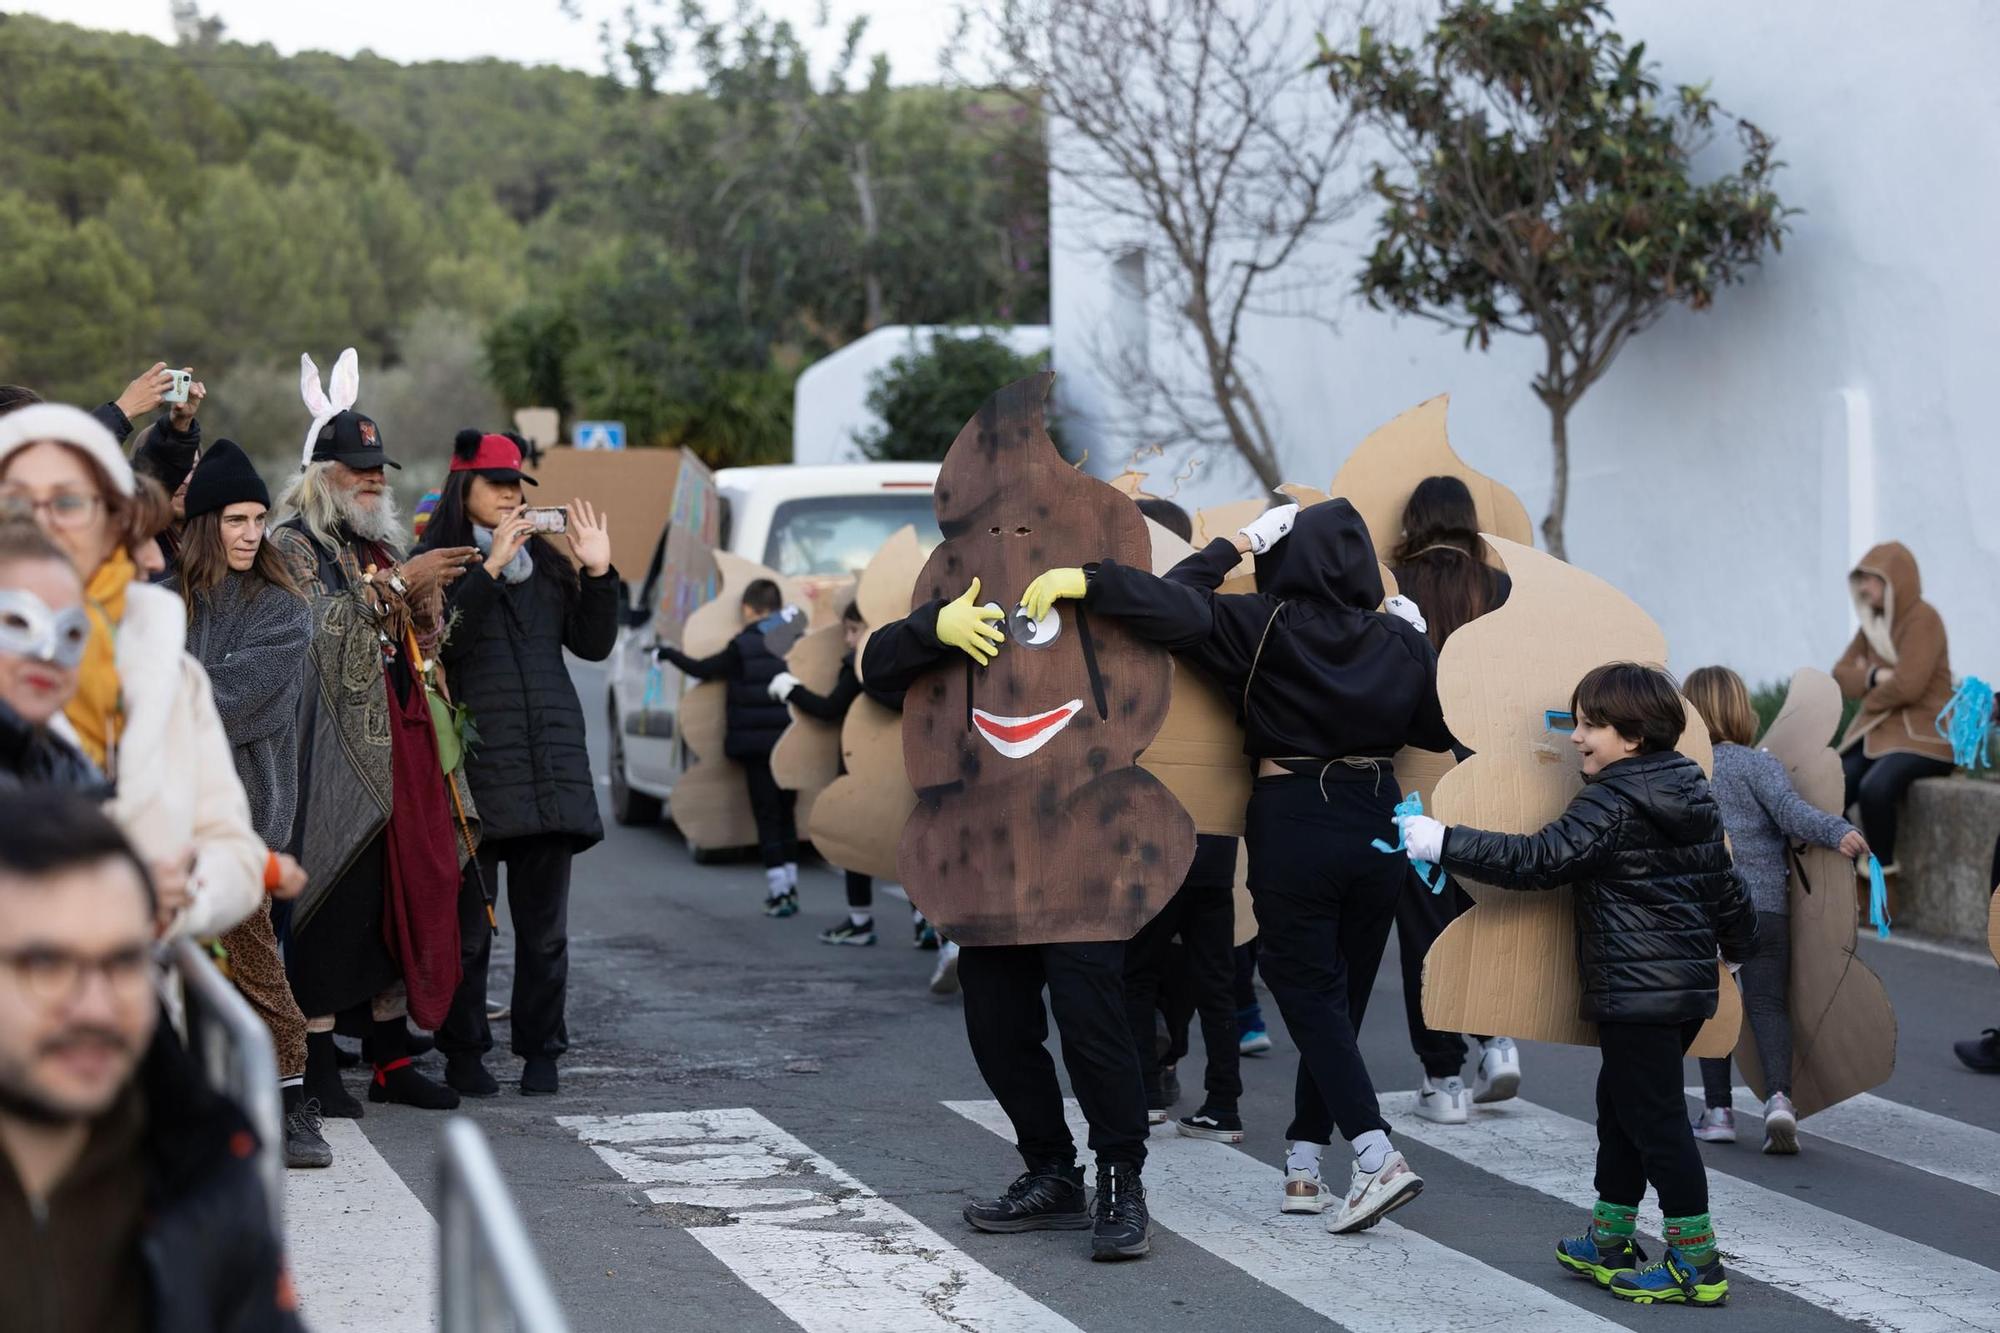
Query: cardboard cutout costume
x=1843, y=1029
x=807, y=757
x=1033, y=823
x=1508, y=966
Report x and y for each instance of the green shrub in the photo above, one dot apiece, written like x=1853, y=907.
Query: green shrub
x=925, y=397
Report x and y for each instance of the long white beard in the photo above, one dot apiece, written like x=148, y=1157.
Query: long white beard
x=378, y=523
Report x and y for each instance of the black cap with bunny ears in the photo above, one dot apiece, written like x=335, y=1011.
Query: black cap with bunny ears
x=352, y=439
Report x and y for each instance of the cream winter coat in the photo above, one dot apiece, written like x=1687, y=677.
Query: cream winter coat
x=176, y=776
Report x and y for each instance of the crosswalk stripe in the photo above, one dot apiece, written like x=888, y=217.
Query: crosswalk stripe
x=831, y=1254
x=363, y=1248
x=1226, y=1202
x=1829, y=1260
x=1947, y=1148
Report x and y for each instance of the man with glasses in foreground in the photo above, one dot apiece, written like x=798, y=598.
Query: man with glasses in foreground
x=129, y=1197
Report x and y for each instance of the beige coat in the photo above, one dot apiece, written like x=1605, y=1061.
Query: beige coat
x=176, y=776
x=1904, y=642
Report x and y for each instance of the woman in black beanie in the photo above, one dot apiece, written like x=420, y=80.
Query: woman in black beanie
x=249, y=626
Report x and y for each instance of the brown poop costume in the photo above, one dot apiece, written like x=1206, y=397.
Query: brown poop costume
x=1033, y=824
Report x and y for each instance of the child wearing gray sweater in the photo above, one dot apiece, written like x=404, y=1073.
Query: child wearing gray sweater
x=1763, y=815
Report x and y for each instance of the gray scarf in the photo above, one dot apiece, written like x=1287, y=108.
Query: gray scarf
x=519, y=570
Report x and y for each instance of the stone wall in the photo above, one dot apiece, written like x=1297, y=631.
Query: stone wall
x=1945, y=844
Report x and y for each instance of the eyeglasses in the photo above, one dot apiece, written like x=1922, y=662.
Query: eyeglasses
x=54, y=975
x=66, y=509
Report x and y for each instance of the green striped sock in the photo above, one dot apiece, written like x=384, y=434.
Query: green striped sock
x=1694, y=1237
x=1611, y=1223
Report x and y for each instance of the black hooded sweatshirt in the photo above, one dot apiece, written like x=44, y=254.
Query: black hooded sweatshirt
x=1316, y=671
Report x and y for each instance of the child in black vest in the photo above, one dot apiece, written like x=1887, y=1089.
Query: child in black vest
x=755, y=721
x=1656, y=894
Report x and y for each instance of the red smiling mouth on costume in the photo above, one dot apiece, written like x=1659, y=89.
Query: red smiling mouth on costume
x=1018, y=737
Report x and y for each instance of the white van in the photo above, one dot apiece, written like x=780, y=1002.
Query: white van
x=800, y=521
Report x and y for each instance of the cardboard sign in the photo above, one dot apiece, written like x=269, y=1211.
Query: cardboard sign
x=634, y=491
x=1508, y=966
x=857, y=819
x=1379, y=477
x=807, y=757
x=1843, y=1028
x=1034, y=823
x=688, y=576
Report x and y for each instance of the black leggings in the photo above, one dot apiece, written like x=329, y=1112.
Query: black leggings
x=772, y=807
x=1766, y=981
x=1325, y=901
x=860, y=891
x=1879, y=784
x=1203, y=917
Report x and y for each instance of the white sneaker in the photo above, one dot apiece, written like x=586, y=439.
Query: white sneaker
x=1373, y=1195
x=1444, y=1101
x=1781, y=1125
x=1717, y=1125
x=944, y=981
x=1499, y=1076
x=1304, y=1192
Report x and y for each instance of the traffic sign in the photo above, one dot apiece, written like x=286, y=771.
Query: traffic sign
x=599, y=435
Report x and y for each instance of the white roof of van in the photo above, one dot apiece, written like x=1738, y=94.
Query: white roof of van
x=792, y=480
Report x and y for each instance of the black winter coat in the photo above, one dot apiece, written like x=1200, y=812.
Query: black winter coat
x=503, y=656
x=1655, y=891
x=753, y=718
x=35, y=757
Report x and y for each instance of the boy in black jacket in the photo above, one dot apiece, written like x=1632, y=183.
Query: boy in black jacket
x=749, y=664
x=1655, y=895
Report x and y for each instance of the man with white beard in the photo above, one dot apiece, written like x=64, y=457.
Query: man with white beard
x=375, y=934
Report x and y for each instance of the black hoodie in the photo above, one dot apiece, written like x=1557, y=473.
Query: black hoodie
x=1334, y=677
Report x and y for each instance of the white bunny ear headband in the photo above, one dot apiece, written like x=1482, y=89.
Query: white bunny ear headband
x=326, y=404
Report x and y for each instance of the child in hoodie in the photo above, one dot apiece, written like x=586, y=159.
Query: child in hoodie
x=1642, y=843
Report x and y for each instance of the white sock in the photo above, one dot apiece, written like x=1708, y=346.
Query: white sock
x=916, y=917
x=1304, y=1157
x=791, y=874
x=860, y=918
x=1371, y=1150
x=774, y=880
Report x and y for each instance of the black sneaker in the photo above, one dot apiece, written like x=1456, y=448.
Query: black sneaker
x=1210, y=1123
x=1983, y=1054
x=849, y=933
x=1048, y=1198
x=305, y=1146
x=1121, y=1229
x=468, y=1074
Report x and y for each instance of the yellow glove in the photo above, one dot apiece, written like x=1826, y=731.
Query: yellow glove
x=1050, y=587
x=964, y=624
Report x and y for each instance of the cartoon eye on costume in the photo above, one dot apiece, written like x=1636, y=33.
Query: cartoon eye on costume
x=1034, y=633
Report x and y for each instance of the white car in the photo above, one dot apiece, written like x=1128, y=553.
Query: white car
x=800, y=521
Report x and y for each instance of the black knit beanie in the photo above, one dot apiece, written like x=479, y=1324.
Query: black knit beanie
x=224, y=477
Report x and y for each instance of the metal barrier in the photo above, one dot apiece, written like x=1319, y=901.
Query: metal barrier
x=489, y=1280
x=234, y=1049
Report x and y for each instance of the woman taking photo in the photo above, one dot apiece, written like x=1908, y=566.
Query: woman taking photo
x=142, y=710
x=249, y=625
x=1441, y=566
x=510, y=619
x=43, y=632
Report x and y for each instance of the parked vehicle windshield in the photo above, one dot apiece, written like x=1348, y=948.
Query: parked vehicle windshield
x=836, y=534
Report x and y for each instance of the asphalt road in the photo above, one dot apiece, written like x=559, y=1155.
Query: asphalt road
x=829, y=1198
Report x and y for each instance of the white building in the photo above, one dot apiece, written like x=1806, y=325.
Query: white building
x=830, y=399
x=1734, y=462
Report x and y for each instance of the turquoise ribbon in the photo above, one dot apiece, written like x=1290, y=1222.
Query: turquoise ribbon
x=1878, y=898
x=1967, y=722
x=1407, y=808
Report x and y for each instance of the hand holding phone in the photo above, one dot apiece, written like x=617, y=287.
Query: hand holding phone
x=548, y=519
x=178, y=384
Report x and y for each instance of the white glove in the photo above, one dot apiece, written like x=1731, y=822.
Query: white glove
x=1423, y=838
x=782, y=685
x=1269, y=527
x=1403, y=608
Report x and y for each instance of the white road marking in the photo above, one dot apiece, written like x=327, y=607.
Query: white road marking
x=363, y=1248
x=831, y=1254
x=1226, y=1201
x=1964, y=953
x=1824, y=1258
x=1947, y=1148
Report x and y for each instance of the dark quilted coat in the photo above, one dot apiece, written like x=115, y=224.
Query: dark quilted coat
x=503, y=658
x=1655, y=891
x=753, y=719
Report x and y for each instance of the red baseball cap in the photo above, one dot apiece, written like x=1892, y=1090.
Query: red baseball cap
x=496, y=458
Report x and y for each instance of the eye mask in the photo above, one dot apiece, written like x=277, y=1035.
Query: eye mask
x=29, y=629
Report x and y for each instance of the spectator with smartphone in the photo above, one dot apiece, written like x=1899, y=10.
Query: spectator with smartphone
x=512, y=616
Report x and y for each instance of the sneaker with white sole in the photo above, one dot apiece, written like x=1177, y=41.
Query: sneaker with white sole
x=1373, y=1195
x=1781, y=1126
x=1499, y=1076
x=944, y=980
x=1444, y=1101
x=1305, y=1192
x=1717, y=1125
x=1213, y=1124
x=1253, y=1041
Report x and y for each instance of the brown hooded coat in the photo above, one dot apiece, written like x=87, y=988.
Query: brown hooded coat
x=1906, y=644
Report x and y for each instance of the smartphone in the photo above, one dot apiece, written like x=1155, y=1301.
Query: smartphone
x=548, y=519
x=183, y=380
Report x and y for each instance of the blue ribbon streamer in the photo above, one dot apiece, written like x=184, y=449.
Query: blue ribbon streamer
x=1878, y=898
x=1407, y=808
x=1967, y=722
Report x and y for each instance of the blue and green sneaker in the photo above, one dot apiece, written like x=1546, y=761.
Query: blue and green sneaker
x=1586, y=1257
x=1673, y=1281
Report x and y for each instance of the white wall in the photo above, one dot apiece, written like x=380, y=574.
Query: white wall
x=1712, y=468
x=830, y=399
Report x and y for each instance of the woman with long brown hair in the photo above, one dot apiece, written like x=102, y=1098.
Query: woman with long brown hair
x=1441, y=566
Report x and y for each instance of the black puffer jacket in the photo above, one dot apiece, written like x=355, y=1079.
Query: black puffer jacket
x=1655, y=891
x=529, y=770
x=754, y=719
x=37, y=757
